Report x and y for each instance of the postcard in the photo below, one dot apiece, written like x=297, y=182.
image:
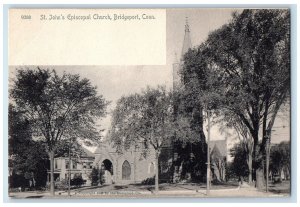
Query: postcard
x=147, y=103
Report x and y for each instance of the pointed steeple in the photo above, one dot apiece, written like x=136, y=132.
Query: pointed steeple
x=187, y=43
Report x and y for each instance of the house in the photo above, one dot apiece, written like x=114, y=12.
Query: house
x=79, y=166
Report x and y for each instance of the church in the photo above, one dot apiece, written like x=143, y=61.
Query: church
x=133, y=166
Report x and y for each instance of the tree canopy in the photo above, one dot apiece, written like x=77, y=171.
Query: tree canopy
x=281, y=158
x=244, y=70
x=145, y=118
x=58, y=107
x=28, y=159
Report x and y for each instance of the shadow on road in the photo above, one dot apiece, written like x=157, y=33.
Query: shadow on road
x=34, y=196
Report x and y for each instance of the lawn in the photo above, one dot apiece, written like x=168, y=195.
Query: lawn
x=162, y=187
x=279, y=188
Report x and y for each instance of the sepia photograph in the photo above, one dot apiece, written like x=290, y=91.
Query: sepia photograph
x=149, y=103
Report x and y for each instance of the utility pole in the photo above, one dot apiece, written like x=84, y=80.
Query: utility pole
x=267, y=159
x=208, y=154
x=69, y=172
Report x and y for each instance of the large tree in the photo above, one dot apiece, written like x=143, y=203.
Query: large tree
x=251, y=57
x=144, y=118
x=201, y=95
x=58, y=107
x=252, y=53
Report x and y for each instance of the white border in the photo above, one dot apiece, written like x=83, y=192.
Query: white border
x=146, y=3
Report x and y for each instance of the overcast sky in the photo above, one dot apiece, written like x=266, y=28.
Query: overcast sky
x=115, y=81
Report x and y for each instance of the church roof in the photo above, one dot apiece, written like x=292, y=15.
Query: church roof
x=86, y=153
x=101, y=147
x=219, y=146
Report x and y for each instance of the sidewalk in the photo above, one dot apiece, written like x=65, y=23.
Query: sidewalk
x=233, y=192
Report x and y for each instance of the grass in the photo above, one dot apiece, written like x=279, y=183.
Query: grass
x=162, y=187
x=280, y=188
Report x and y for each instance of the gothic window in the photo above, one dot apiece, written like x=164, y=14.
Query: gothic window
x=126, y=170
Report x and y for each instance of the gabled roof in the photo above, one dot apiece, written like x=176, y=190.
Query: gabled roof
x=85, y=152
x=219, y=146
x=103, y=146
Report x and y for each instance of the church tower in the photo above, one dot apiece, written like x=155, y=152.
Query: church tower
x=177, y=65
x=187, y=43
x=177, y=83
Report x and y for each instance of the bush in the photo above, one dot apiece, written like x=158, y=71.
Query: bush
x=16, y=181
x=277, y=179
x=149, y=181
x=97, y=177
x=77, y=181
x=94, y=176
x=62, y=184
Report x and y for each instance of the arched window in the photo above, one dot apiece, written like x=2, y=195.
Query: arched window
x=126, y=170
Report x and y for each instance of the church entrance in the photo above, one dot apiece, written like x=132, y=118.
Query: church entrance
x=126, y=170
x=107, y=170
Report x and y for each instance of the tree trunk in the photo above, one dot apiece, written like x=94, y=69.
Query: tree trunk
x=51, y=156
x=250, y=168
x=255, y=166
x=260, y=181
x=156, y=173
x=280, y=174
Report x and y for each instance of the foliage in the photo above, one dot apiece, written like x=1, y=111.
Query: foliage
x=101, y=179
x=242, y=71
x=239, y=165
x=192, y=158
x=149, y=181
x=57, y=107
x=144, y=119
x=62, y=184
x=256, y=76
x=280, y=158
x=94, y=177
x=97, y=177
x=77, y=181
x=28, y=160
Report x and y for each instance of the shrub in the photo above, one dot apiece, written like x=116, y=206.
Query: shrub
x=94, y=176
x=62, y=184
x=77, y=181
x=149, y=181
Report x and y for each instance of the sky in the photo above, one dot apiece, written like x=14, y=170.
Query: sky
x=113, y=82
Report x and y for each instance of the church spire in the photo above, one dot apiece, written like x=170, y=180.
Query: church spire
x=187, y=43
x=187, y=27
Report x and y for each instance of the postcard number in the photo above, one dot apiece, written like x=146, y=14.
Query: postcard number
x=25, y=16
